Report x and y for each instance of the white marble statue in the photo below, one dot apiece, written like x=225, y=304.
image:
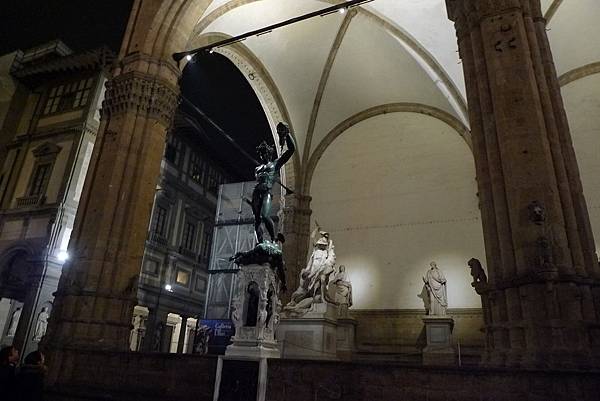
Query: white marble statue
x=41, y=325
x=435, y=282
x=14, y=323
x=315, y=276
x=341, y=289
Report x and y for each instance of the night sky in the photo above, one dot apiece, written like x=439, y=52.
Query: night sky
x=81, y=24
x=220, y=90
x=212, y=83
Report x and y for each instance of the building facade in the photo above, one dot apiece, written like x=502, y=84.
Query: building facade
x=50, y=122
x=50, y=114
x=435, y=129
x=174, y=276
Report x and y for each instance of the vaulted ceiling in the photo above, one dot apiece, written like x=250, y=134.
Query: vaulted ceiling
x=329, y=70
x=376, y=99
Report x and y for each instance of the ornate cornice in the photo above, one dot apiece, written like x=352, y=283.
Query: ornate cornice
x=141, y=94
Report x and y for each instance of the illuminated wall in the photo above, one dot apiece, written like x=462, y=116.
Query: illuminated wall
x=396, y=192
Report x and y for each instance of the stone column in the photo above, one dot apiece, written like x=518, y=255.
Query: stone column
x=182, y=332
x=543, y=297
x=296, y=228
x=157, y=319
x=30, y=308
x=98, y=288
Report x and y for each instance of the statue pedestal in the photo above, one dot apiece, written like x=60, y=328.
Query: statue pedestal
x=255, y=313
x=316, y=334
x=439, y=349
x=346, y=329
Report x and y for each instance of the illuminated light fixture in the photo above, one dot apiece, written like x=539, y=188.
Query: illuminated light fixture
x=211, y=51
x=169, y=288
x=188, y=57
x=63, y=256
x=341, y=8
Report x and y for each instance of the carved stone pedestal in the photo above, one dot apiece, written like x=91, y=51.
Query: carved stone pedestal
x=346, y=330
x=439, y=349
x=314, y=335
x=255, y=313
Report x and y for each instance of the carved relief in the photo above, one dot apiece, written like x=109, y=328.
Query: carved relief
x=134, y=92
x=537, y=213
x=505, y=38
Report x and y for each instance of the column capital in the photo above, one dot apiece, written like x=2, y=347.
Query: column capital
x=297, y=204
x=141, y=93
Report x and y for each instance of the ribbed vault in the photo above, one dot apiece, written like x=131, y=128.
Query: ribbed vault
x=392, y=58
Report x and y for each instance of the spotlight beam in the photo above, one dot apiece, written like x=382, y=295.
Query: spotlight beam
x=319, y=13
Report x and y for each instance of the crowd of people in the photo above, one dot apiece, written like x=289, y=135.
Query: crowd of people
x=23, y=382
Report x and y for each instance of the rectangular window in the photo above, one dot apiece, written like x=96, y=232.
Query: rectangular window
x=83, y=93
x=174, y=150
x=206, y=243
x=68, y=96
x=160, y=220
x=189, y=233
x=196, y=170
x=151, y=267
x=200, y=284
x=183, y=277
x=213, y=181
x=39, y=180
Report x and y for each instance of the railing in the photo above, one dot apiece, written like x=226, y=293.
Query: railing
x=29, y=201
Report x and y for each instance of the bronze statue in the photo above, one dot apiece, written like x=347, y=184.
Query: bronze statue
x=477, y=272
x=267, y=174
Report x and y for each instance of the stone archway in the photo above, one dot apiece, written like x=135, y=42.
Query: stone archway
x=265, y=89
x=522, y=150
x=20, y=275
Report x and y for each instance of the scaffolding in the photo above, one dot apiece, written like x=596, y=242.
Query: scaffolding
x=234, y=232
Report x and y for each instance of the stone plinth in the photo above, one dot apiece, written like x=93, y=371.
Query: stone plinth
x=255, y=313
x=346, y=335
x=314, y=335
x=439, y=349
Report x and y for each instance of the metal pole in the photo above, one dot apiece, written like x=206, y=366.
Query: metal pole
x=319, y=13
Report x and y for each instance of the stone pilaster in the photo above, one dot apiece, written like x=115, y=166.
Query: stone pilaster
x=296, y=228
x=542, y=301
x=182, y=332
x=97, y=290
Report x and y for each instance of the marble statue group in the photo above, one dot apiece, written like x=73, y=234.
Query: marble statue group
x=320, y=281
x=320, y=304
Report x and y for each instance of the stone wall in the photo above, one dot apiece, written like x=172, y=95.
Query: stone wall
x=136, y=376
x=303, y=380
x=381, y=332
x=177, y=377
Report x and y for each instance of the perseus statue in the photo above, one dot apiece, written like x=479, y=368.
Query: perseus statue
x=267, y=174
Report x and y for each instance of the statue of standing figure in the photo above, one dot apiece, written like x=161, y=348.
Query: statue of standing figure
x=41, y=324
x=341, y=289
x=14, y=323
x=435, y=282
x=267, y=174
